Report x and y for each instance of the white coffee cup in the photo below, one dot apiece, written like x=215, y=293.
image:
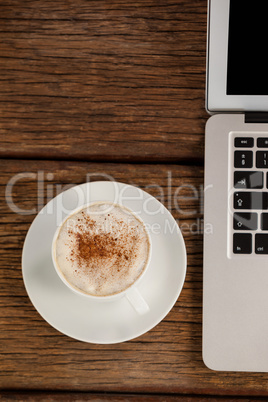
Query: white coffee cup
x=132, y=293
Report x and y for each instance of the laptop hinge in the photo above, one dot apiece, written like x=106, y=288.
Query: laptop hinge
x=256, y=117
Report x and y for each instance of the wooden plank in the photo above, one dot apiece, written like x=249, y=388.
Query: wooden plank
x=167, y=359
x=103, y=80
x=81, y=396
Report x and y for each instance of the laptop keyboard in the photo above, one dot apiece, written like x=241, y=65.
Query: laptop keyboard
x=250, y=198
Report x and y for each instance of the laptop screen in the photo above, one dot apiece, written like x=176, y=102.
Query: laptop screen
x=247, y=65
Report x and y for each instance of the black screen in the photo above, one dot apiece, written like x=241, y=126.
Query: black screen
x=247, y=70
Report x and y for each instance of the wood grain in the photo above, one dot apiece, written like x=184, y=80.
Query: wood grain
x=81, y=396
x=103, y=81
x=167, y=359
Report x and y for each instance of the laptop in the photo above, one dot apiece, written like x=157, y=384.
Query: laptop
x=235, y=287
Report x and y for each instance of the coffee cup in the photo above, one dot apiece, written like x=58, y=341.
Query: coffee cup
x=102, y=251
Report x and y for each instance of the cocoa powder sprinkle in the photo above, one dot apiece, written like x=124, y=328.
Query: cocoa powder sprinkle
x=105, y=253
x=91, y=248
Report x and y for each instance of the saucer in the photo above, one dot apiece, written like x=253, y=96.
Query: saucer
x=95, y=321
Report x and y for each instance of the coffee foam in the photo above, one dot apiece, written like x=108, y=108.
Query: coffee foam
x=102, y=249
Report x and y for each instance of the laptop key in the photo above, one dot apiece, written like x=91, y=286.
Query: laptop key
x=243, y=159
x=261, y=243
x=264, y=221
x=245, y=221
x=244, y=142
x=248, y=179
x=262, y=159
x=262, y=142
x=250, y=200
x=242, y=243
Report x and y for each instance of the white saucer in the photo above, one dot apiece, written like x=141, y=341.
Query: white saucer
x=96, y=321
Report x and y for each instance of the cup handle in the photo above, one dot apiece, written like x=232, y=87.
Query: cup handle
x=137, y=301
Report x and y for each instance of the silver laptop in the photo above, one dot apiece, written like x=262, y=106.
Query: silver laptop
x=235, y=290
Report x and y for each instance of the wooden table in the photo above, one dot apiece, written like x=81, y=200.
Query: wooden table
x=111, y=87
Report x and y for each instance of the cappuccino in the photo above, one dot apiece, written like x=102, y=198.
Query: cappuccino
x=102, y=249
